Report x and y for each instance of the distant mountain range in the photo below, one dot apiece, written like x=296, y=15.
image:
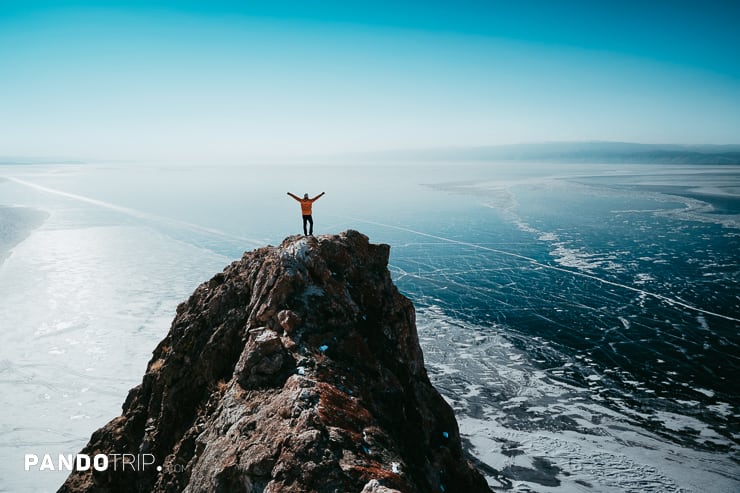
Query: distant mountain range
x=555, y=152
x=573, y=152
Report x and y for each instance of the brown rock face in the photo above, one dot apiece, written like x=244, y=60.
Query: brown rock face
x=296, y=369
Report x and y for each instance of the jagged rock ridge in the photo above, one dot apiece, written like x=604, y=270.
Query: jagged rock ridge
x=296, y=369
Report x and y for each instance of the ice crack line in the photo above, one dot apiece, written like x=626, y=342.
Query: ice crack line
x=133, y=212
x=658, y=296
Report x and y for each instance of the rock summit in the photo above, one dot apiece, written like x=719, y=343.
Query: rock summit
x=296, y=369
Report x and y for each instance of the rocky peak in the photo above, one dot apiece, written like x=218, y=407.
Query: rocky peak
x=296, y=369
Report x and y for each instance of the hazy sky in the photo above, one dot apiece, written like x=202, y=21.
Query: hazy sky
x=187, y=80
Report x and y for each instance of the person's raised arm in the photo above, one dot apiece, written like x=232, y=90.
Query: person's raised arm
x=318, y=196
x=294, y=196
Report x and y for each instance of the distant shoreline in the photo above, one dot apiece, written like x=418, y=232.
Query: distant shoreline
x=16, y=224
x=627, y=153
x=575, y=153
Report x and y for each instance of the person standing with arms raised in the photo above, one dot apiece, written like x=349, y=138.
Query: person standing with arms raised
x=306, y=205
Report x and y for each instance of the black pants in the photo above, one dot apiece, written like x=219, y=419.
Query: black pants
x=307, y=219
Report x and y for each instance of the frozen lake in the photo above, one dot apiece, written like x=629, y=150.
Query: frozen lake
x=582, y=320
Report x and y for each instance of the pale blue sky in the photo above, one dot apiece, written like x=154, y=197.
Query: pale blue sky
x=228, y=81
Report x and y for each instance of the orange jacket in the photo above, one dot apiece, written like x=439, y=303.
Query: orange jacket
x=306, y=203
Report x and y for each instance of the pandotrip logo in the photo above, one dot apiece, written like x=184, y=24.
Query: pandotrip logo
x=85, y=462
